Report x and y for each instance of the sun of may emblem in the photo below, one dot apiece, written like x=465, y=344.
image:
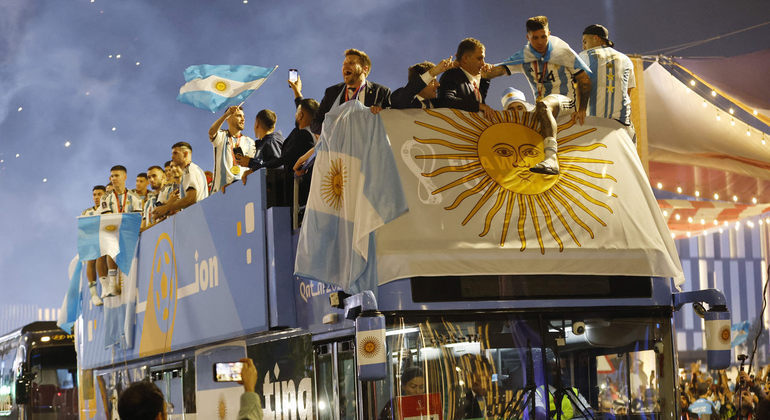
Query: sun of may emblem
x=492, y=158
x=370, y=346
x=220, y=85
x=333, y=184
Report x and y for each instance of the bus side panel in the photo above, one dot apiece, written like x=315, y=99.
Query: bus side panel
x=201, y=278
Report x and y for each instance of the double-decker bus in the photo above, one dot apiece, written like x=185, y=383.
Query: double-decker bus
x=38, y=373
x=216, y=283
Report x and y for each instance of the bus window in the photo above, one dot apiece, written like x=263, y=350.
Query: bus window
x=53, y=388
x=6, y=379
x=346, y=372
x=325, y=391
x=505, y=366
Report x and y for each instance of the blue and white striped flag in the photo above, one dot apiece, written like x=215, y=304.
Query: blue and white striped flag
x=120, y=310
x=355, y=190
x=115, y=235
x=71, y=306
x=215, y=87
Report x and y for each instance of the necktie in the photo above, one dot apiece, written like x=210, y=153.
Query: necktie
x=476, y=90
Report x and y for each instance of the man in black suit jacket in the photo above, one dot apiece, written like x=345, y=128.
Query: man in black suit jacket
x=355, y=68
x=421, y=88
x=299, y=141
x=463, y=87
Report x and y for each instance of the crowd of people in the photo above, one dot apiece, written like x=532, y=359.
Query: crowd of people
x=595, y=82
x=718, y=395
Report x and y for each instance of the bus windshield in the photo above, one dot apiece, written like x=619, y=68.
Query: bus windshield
x=53, y=389
x=529, y=366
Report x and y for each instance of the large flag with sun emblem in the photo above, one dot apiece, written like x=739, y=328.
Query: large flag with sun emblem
x=475, y=208
x=215, y=87
x=355, y=190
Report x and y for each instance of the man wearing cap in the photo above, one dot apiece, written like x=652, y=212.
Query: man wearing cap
x=514, y=100
x=612, y=77
x=550, y=66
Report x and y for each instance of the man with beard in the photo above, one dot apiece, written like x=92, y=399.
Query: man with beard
x=226, y=144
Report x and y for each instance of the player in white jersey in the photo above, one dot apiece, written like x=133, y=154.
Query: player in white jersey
x=550, y=66
x=156, y=177
x=612, y=76
x=226, y=144
x=119, y=200
x=97, y=192
x=193, y=186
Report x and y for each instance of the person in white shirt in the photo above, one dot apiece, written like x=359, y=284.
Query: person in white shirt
x=612, y=76
x=550, y=66
x=193, y=186
x=119, y=200
x=226, y=144
x=97, y=192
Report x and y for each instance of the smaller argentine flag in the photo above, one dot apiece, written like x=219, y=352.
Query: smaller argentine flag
x=115, y=235
x=215, y=87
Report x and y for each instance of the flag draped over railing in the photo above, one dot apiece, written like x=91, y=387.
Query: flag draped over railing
x=355, y=190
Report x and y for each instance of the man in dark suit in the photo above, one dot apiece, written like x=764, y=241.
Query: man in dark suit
x=421, y=88
x=463, y=87
x=355, y=68
x=299, y=141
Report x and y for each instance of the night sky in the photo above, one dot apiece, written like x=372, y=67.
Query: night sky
x=88, y=84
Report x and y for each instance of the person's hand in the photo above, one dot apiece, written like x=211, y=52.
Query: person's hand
x=489, y=113
x=375, y=109
x=296, y=87
x=744, y=376
x=246, y=175
x=248, y=375
x=298, y=171
x=442, y=66
x=580, y=116
x=231, y=110
x=242, y=160
x=160, y=211
x=486, y=71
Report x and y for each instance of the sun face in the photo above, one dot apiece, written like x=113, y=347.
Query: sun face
x=220, y=85
x=492, y=158
x=333, y=185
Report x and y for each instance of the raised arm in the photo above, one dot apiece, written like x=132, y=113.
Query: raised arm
x=218, y=123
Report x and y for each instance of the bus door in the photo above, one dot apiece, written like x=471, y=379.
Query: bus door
x=169, y=378
x=337, y=387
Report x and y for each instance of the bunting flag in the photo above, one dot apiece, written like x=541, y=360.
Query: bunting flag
x=689, y=217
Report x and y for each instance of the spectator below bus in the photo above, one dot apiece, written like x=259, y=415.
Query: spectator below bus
x=142, y=401
x=421, y=88
x=269, y=143
x=226, y=144
x=355, y=86
x=120, y=200
x=412, y=383
x=192, y=185
x=97, y=193
x=464, y=86
x=251, y=406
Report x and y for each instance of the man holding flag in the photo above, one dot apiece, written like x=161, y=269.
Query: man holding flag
x=227, y=144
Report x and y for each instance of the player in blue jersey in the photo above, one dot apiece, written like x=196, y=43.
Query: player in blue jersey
x=612, y=76
x=551, y=67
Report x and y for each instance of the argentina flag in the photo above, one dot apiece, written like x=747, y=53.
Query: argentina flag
x=71, y=307
x=109, y=234
x=120, y=310
x=355, y=190
x=215, y=87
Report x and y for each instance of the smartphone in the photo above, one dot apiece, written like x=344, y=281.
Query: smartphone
x=227, y=371
x=238, y=151
x=293, y=75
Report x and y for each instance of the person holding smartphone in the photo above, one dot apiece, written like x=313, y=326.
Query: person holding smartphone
x=251, y=406
x=226, y=142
